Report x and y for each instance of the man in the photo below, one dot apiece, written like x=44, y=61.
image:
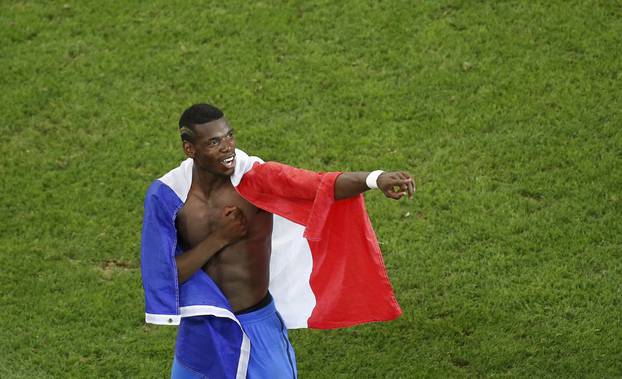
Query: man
x=219, y=206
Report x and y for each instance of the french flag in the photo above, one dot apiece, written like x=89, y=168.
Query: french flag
x=326, y=268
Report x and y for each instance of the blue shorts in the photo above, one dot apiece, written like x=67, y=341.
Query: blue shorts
x=272, y=355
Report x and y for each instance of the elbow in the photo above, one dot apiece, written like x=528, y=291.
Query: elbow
x=182, y=275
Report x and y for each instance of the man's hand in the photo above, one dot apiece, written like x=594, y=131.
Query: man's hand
x=396, y=184
x=232, y=225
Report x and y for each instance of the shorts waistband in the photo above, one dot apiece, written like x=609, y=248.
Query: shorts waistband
x=260, y=304
x=258, y=315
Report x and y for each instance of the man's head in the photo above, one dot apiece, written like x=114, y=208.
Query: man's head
x=208, y=139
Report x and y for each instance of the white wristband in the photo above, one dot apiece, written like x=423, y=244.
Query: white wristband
x=372, y=179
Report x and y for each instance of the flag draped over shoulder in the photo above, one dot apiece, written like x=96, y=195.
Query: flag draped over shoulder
x=348, y=279
x=326, y=269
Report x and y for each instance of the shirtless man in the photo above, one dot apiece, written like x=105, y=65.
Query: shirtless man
x=230, y=239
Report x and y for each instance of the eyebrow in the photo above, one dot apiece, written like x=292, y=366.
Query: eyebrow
x=217, y=138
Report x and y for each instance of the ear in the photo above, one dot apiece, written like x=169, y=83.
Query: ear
x=188, y=149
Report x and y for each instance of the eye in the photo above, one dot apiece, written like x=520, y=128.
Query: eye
x=213, y=142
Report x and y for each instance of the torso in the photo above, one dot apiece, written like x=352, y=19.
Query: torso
x=240, y=270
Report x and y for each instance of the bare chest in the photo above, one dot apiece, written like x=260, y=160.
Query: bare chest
x=200, y=216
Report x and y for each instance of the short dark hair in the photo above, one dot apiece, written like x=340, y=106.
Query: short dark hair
x=195, y=115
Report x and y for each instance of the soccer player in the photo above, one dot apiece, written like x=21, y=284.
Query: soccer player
x=223, y=229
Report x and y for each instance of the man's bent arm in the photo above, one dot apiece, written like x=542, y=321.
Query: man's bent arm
x=393, y=184
x=192, y=260
x=231, y=227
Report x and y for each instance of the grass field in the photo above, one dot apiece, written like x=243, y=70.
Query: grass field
x=507, y=263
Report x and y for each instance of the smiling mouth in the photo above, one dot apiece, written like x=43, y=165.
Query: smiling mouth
x=229, y=162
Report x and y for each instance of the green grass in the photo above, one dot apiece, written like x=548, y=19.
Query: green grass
x=508, y=262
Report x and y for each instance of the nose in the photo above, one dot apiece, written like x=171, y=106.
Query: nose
x=227, y=144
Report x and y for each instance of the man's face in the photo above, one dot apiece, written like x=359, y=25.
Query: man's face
x=213, y=149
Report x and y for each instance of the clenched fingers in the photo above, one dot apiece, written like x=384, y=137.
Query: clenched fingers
x=398, y=184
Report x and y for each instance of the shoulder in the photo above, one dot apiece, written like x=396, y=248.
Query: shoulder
x=243, y=164
x=179, y=179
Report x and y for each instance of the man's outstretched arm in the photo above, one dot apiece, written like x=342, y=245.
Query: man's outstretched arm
x=394, y=185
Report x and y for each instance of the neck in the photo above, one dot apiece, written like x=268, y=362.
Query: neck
x=208, y=182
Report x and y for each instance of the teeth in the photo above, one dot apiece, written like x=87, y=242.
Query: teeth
x=228, y=160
